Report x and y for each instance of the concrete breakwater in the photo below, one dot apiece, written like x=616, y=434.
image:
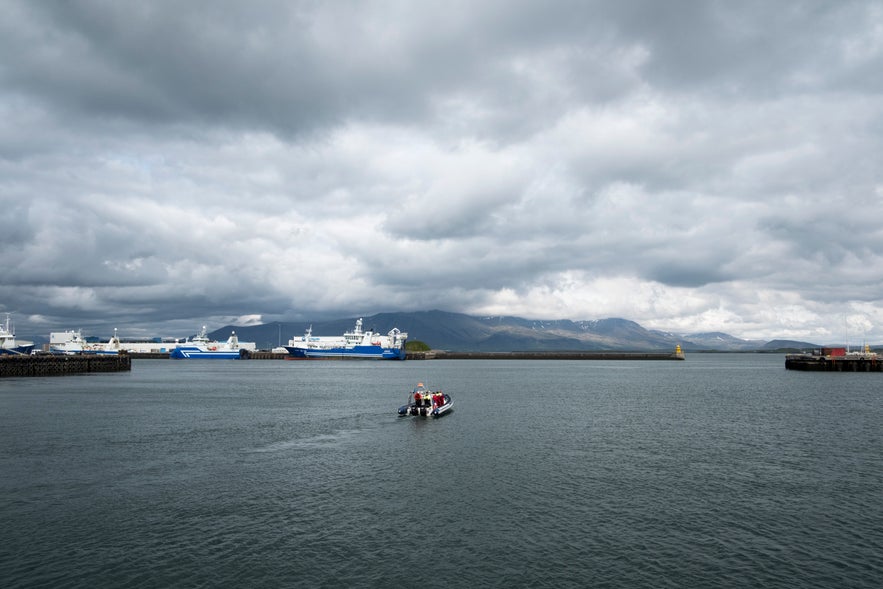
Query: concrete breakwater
x=836, y=364
x=51, y=365
x=440, y=355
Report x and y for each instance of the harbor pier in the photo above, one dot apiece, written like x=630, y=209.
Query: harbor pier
x=835, y=360
x=62, y=365
x=443, y=355
x=836, y=364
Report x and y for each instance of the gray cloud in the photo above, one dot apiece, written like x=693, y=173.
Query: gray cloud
x=693, y=166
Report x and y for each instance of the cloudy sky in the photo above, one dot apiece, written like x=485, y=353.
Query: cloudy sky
x=689, y=165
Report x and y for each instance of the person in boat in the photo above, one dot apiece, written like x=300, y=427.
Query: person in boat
x=418, y=399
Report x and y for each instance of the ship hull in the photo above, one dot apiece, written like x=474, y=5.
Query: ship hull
x=81, y=352
x=17, y=350
x=197, y=353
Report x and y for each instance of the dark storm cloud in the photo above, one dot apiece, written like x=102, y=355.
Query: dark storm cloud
x=167, y=62
x=294, y=66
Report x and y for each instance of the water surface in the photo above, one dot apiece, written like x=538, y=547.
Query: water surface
x=721, y=471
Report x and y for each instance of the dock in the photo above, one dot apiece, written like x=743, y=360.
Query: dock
x=264, y=355
x=62, y=365
x=443, y=355
x=813, y=363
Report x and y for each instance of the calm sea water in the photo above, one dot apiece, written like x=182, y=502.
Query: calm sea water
x=721, y=471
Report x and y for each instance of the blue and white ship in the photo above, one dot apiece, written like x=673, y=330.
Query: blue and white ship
x=8, y=345
x=355, y=344
x=202, y=348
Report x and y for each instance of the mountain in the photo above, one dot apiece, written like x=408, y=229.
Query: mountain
x=716, y=340
x=784, y=344
x=443, y=330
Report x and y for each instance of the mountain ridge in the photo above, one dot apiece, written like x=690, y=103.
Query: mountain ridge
x=445, y=330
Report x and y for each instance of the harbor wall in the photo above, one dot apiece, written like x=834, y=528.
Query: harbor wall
x=833, y=364
x=62, y=365
x=263, y=355
x=441, y=355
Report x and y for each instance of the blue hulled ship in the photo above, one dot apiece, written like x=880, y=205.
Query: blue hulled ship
x=355, y=344
x=8, y=345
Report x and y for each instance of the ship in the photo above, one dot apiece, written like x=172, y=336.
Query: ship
x=203, y=348
x=74, y=342
x=70, y=343
x=355, y=344
x=8, y=344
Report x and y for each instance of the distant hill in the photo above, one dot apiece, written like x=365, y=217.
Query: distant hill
x=721, y=341
x=785, y=344
x=443, y=330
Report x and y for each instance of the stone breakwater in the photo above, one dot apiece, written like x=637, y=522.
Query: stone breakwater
x=51, y=365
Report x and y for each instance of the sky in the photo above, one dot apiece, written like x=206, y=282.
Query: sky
x=693, y=166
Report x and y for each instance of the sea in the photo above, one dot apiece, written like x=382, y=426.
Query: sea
x=724, y=470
